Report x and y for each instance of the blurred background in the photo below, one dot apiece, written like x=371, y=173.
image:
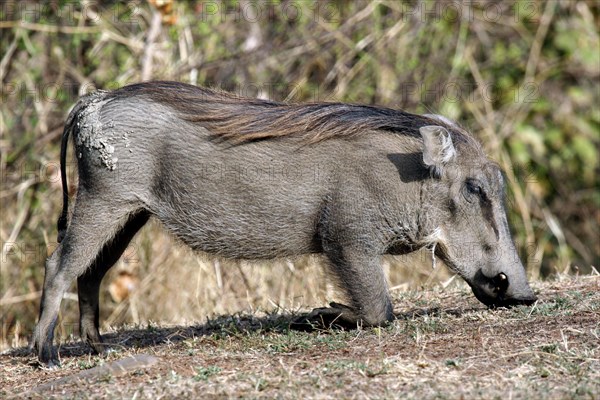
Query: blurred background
x=522, y=76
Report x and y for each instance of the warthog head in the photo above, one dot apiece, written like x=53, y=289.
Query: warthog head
x=466, y=218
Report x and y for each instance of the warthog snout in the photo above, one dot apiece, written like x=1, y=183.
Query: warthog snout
x=498, y=292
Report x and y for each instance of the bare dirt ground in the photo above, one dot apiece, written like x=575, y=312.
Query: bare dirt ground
x=444, y=344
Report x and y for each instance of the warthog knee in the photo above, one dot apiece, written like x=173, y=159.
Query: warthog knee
x=377, y=316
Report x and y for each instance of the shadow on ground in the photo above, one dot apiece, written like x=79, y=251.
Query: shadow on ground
x=224, y=326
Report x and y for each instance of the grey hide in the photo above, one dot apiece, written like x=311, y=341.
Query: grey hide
x=252, y=179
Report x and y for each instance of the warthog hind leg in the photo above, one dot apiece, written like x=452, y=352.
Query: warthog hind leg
x=88, y=284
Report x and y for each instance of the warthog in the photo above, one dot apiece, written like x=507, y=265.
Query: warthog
x=253, y=179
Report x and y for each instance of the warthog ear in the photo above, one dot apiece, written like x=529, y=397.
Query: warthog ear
x=442, y=119
x=437, y=147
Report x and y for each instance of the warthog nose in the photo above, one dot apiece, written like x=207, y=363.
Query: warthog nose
x=500, y=283
x=499, y=291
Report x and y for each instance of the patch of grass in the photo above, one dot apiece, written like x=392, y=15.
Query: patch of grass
x=425, y=325
x=204, y=373
x=453, y=362
x=289, y=342
x=333, y=341
x=341, y=367
x=548, y=348
x=86, y=364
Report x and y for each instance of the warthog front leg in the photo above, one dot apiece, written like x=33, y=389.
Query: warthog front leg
x=361, y=276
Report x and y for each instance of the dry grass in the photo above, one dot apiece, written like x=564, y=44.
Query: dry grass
x=444, y=344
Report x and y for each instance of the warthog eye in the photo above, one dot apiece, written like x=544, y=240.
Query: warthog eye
x=473, y=190
x=473, y=187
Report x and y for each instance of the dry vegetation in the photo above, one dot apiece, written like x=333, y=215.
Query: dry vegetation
x=522, y=75
x=444, y=344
